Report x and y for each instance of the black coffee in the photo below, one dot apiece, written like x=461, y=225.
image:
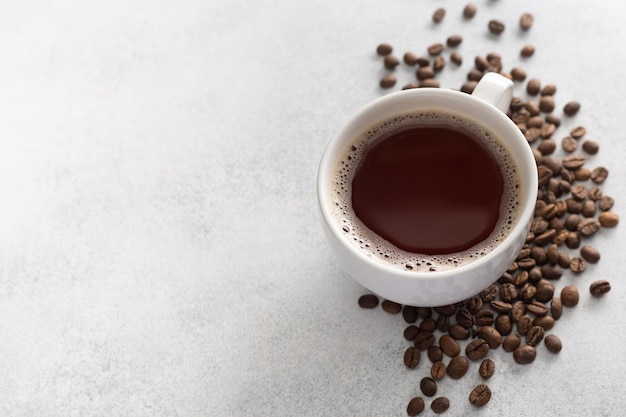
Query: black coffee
x=429, y=189
x=426, y=191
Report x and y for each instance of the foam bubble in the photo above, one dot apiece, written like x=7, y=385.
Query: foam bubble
x=373, y=245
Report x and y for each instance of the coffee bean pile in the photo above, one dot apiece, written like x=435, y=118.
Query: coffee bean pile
x=519, y=311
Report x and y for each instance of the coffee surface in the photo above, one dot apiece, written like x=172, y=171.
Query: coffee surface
x=446, y=234
x=429, y=189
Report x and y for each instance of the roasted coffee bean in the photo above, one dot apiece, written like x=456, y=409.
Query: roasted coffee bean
x=554, y=119
x=571, y=222
x=388, y=81
x=454, y=40
x=410, y=332
x=474, y=304
x=547, y=130
x=534, y=335
x=438, y=15
x=459, y=332
x=487, y=368
x=564, y=259
x=409, y=58
x=556, y=308
x=409, y=86
x=569, y=144
x=533, y=86
x=548, y=90
x=423, y=61
x=368, y=301
x=511, y=342
x=532, y=107
x=553, y=255
x=574, y=161
x=518, y=74
x=518, y=310
x=599, y=175
x=526, y=21
x=464, y=317
x=525, y=354
x=448, y=310
x=545, y=237
x=435, y=49
x=599, y=288
x=503, y=324
x=468, y=87
x=578, y=132
x=571, y=108
x=546, y=104
x=384, y=49
x=577, y=265
x=438, y=370
x=440, y=405
x=537, y=308
x=544, y=173
x=469, y=10
x=508, y=292
x=491, y=336
x=569, y=296
x=429, y=83
x=439, y=63
x=527, y=51
x=424, y=340
x=480, y=395
x=582, y=174
x=391, y=62
x=449, y=345
x=416, y=406
x=553, y=343
x=443, y=323
x=490, y=293
x=391, y=307
x=588, y=227
x=573, y=205
x=608, y=219
x=457, y=367
x=435, y=354
x=546, y=322
x=595, y=193
x=476, y=349
x=412, y=357
x=551, y=271
x=524, y=324
x=579, y=191
x=424, y=73
x=456, y=58
x=606, y=203
x=545, y=291
x=428, y=386
x=591, y=147
x=496, y=27
x=428, y=325
x=409, y=314
x=547, y=146
x=501, y=306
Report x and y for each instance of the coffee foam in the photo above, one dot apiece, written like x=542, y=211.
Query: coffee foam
x=376, y=247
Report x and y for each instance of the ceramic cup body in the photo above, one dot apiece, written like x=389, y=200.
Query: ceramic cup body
x=485, y=108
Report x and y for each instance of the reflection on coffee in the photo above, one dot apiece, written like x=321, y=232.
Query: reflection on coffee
x=427, y=191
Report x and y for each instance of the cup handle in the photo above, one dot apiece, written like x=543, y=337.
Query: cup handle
x=496, y=90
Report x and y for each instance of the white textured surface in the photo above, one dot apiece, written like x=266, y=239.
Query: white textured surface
x=160, y=249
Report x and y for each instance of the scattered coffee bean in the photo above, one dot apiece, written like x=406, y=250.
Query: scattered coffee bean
x=457, y=367
x=416, y=406
x=518, y=74
x=591, y=147
x=496, y=27
x=590, y=254
x=439, y=63
x=571, y=108
x=548, y=90
x=527, y=51
x=533, y=86
x=534, y=335
x=449, y=346
x=599, y=288
x=410, y=332
x=428, y=386
x=553, y=343
x=368, y=301
x=608, y=219
x=424, y=340
x=469, y=11
x=409, y=86
x=480, y=395
x=526, y=21
x=599, y=174
x=577, y=265
x=439, y=14
x=410, y=58
x=435, y=354
x=511, y=342
x=487, y=368
x=429, y=83
x=556, y=308
x=491, y=336
x=459, y=332
x=569, y=296
x=412, y=357
x=391, y=307
x=606, y=203
x=569, y=144
x=545, y=322
x=440, y=405
x=384, y=49
x=454, y=40
x=435, y=49
x=388, y=81
x=391, y=62
x=438, y=370
x=456, y=58
x=409, y=314
x=546, y=104
x=525, y=354
x=477, y=349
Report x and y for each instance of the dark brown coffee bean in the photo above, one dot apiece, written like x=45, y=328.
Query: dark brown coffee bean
x=476, y=349
x=428, y=386
x=545, y=291
x=456, y=58
x=534, y=335
x=409, y=58
x=435, y=49
x=438, y=370
x=474, y=304
x=569, y=296
x=508, y=292
x=556, y=308
x=599, y=288
x=428, y=325
x=591, y=147
x=573, y=205
x=533, y=86
x=511, y=342
x=545, y=322
x=548, y=90
x=454, y=40
x=551, y=271
x=577, y=265
x=496, y=27
x=449, y=345
x=464, y=317
x=554, y=119
x=599, y=175
x=438, y=15
x=429, y=83
x=595, y=193
x=440, y=405
x=409, y=86
x=606, y=203
x=588, y=227
x=547, y=146
x=480, y=395
x=589, y=208
x=391, y=307
x=564, y=259
x=525, y=354
x=608, y=219
x=571, y=222
x=491, y=336
x=538, y=308
x=410, y=332
x=490, y=293
x=457, y=367
x=459, y=332
x=435, y=354
x=573, y=161
x=424, y=340
x=532, y=107
x=384, y=49
x=571, y=108
x=518, y=74
x=527, y=51
x=468, y=87
x=412, y=357
x=526, y=21
x=547, y=130
x=487, y=368
x=416, y=406
x=524, y=324
x=518, y=310
x=578, y=132
x=388, y=81
x=469, y=11
x=503, y=324
x=391, y=62
x=545, y=237
x=448, y=310
x=579, y=191
x=424, y=73
x=569, y=144
x=546, y=104
x=443, y=323
x=368, y=301
x=553, y=343
x=439, y=63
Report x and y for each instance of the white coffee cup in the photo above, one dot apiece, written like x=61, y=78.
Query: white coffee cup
x=484, y=107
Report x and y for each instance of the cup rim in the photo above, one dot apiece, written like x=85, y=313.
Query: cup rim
x=341, y=137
